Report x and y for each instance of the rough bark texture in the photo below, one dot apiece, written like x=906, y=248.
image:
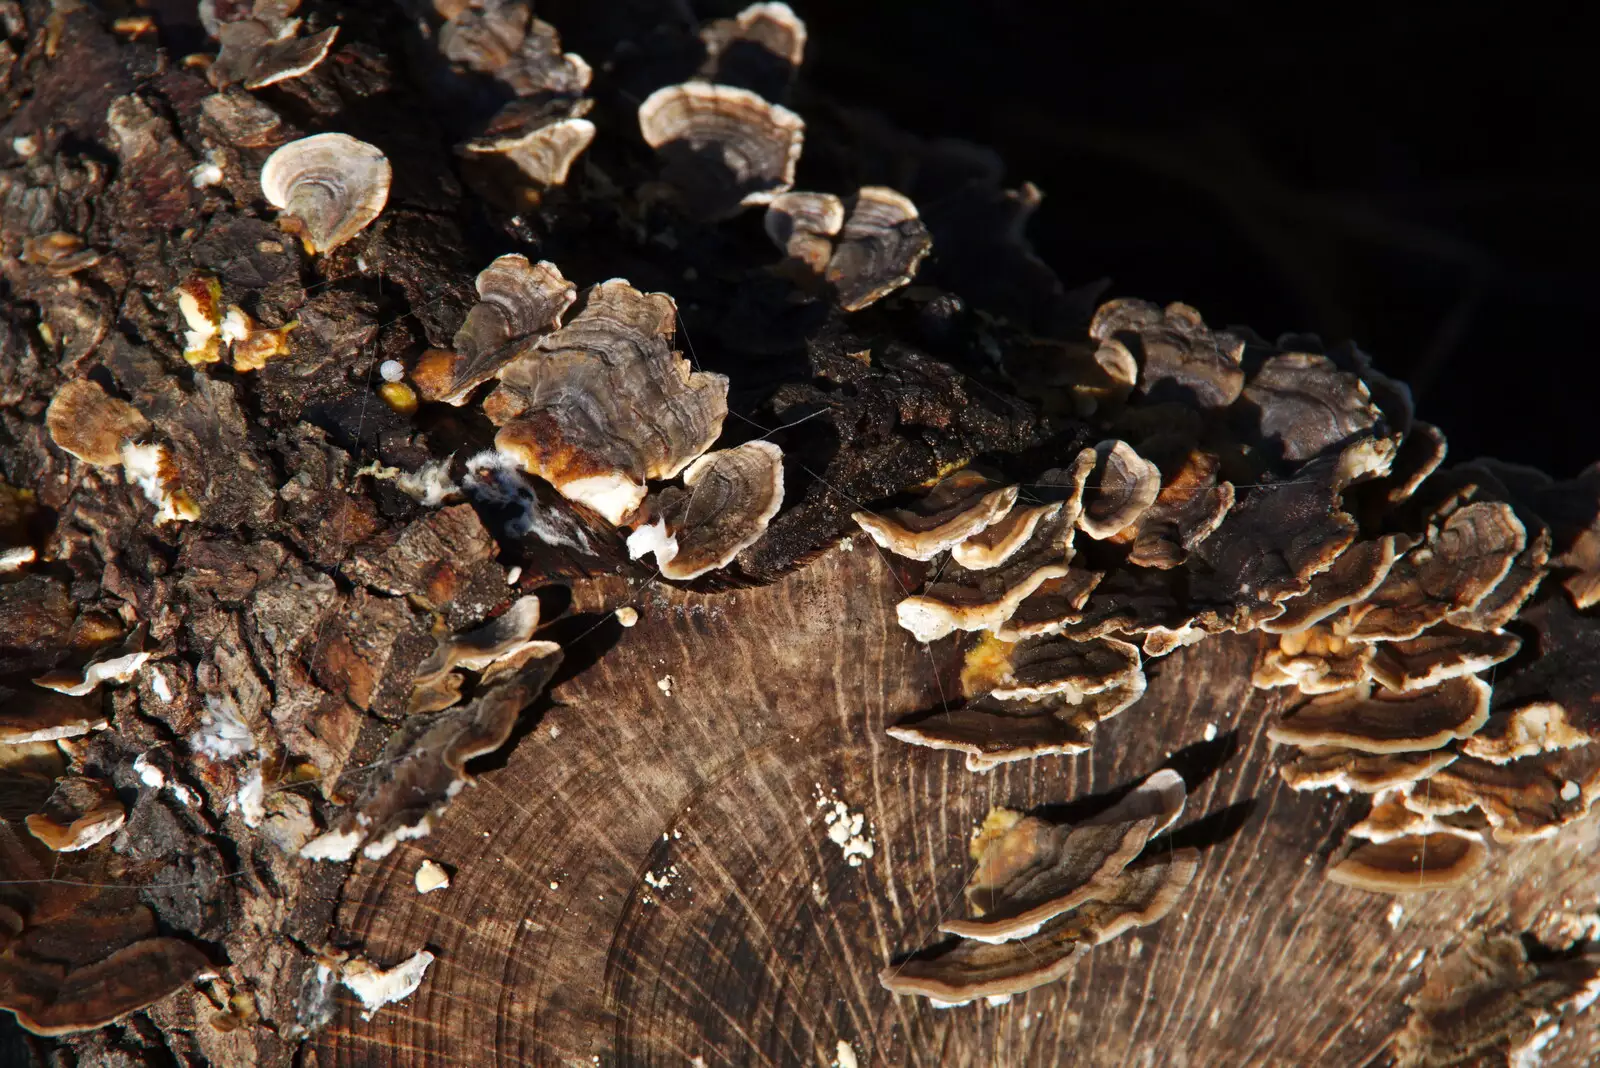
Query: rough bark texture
x=645, y=873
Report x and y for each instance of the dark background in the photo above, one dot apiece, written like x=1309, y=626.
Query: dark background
x=1410, y=180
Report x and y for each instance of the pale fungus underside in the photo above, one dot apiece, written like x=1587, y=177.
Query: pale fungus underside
x=465, y=598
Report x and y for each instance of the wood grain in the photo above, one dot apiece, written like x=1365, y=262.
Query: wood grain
x=649, y=879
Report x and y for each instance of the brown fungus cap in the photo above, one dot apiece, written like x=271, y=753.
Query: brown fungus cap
x=1389, y=722
x=956, y=507
x=970, y=969
x=1190, y=506
x=1351, y=578
x=604, y=404
x=722, y=148
x=1463, y=559
x=1179, y=358
x=1441, y=652
x=506, y=635
x=879, y=248
x=1351, y=771
x=1301, y=405
x=727, y=499
x=423, y=764
x=1419, y=455
x=1537, y=727
x=91, y=425
x=255, y=56
x=803, y=225
x=541, y=145
x=1503, y=603
x=502, y=40
x=992, y=731
x=517, y=301
x=36, y=715
x=1038, y=667
x=330, y=185
x=1411, y=863
x=1486, y=1001
x=1053, y=606
x=760, y=48
x=1036, y=870
x=962, y=599
x=119, y=663
x=79, y=813
x=1122, y=486
x=1532, y=797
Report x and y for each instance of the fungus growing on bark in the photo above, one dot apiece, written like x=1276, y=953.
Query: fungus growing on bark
x=604, y=403
x=878, y=248
x=423, y=764
x=1352, y=577
x=728, y=498
x=1317, y=661
x=79, y=813
x=518, y=300
x=1189, y=506
x=1462, y=560
x=952, y=510
x=760, y=48
x=722, y=148
x=255, y=55
x=116, y=664
x=541, y=145
x=328, y=186
x=1179, y=358
x=507, y=637
x=91, y=425
x=1385, y=721
x=1301, y=405
x=1441, y=652
x=45, y=716
x=803, y=226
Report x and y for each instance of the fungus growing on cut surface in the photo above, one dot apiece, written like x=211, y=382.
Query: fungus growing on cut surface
x=79, y=813
x=92, y=425
x=1386, y=721
x=423, y=764
x=1122, y=486
x=1036, y=870
x=329, y=187
x=728, y=498
x=803, y=226
x=722, y=148
x=1351, y=771
x=542, y=145
x=1146, y=891
x=518, y=301
x=507, y=638
x=985, y=599
x=956, y=507
x=604, y=403
x=1487, y=1002
x=878, y=249
x=1411, y=863
x=1179, y=358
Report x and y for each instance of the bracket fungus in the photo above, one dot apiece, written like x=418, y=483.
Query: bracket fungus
x=954, y=509
x=518, y=300
x=328, y=186
x=728, y=498
x=760, y=48
x=878, y=249
x=542, y=146
x=722, y=148
x=803, y=226
x=1044, y=894
x=604, y=404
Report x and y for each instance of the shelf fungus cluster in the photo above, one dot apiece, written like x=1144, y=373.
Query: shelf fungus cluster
x=1044, y=894
x=261, y=43
x=534, y=138
x=862, y=253
x=1438, y=675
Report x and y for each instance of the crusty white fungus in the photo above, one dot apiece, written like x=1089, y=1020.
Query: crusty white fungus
x=377, y=987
